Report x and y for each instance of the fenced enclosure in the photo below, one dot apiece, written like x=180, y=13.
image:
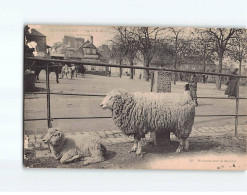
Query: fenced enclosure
x=48, y=94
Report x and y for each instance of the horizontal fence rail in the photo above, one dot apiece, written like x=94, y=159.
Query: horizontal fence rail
x=126, y=66
x=48, y=93
x=76, y=94
x=102, y=95
x=108, y=117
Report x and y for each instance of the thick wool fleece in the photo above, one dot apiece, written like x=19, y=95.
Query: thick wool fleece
x=83, y=146
x=139, y=113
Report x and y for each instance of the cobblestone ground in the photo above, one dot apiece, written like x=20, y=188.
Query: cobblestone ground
x=34, y=142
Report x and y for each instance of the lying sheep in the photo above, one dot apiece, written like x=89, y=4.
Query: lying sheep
x=90, y=150
x=139, y=113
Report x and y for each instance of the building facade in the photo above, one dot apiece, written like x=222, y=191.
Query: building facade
x=33, y=35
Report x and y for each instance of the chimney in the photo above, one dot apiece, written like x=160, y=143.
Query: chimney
x=91, y=39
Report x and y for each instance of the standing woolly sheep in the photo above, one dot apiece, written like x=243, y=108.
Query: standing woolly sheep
x=90, y=150
x=139, y=113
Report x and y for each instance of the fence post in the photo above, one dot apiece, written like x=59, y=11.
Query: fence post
x=48, y=96
x=152, y=81
x=237, y=105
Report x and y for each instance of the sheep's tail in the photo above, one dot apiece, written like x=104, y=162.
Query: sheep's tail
x=103, y=149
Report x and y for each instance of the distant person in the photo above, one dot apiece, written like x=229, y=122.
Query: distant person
x=204, y=78
x=72, y=70
x=231, y=89
x=65, y=71
x=181, y=76
x=140, y=76
x=193, y=87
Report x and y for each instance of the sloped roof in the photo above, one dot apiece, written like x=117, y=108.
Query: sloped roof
x=87, y=44
x=34, y=32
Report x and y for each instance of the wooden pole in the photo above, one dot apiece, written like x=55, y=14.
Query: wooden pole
x=48, y=96
x=237, y=106
x=152, y=81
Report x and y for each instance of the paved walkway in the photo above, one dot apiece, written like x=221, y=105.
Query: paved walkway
x=34, y=142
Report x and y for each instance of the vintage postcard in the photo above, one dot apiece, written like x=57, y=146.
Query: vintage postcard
x=125, y=97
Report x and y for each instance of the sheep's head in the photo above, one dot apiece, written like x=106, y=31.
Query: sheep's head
x=111, y=97
x=54, y=137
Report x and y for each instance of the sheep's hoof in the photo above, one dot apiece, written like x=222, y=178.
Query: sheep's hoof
x=85, y=163
x=63, y=161
x=139, y=153
x=186, y=148
x=179, y=150
x=132, y=150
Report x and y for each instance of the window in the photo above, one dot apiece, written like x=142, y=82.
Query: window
x=87, y=51
x=193, y=67
x=93, y=51
x=186, y=67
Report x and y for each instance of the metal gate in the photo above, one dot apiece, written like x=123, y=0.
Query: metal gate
x=48, y=93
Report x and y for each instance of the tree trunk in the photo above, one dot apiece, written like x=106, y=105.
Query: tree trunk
x=218, y=78
x=132, y=69
x=204, y=59
x=240, y=64
x=120, y=69
x=175, y=74
x=146, y=72
x=152, y=82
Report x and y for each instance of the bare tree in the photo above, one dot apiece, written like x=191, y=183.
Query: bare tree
x=203, y=47
x=118, y=53
x=125, y=37
x=221, y=37
x=163, y=55
x=238, y=47
x=147, y=38
x=179, y=46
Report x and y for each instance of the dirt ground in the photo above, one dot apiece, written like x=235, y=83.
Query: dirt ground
x=201, y=147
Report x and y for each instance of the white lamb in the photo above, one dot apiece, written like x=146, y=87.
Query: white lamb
x=67, y=150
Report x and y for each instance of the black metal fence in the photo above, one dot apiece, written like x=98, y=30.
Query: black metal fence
x=48, y=93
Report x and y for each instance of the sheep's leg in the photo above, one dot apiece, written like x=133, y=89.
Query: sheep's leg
x=70, y=157
x=96, y=156
x=93, y=159
x=139, y=148
x=134, y=148
x=64, y=160
x=183, y=145
x=186, y=146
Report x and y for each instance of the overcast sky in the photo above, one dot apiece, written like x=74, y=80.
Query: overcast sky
x=55, y=33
